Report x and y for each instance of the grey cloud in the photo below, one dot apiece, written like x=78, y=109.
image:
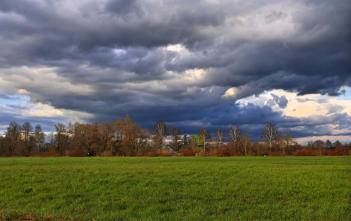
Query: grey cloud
x=122, y=7
x=335, y=109
x=275, y=15
x=117, y=49
x=281, y=101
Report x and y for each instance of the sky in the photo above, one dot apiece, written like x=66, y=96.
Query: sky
x=194, y=64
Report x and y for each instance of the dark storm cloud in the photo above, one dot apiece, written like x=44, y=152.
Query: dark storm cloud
x=113, y=56
x=122, y=7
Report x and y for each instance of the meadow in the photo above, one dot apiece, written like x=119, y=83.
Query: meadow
x=176, y=188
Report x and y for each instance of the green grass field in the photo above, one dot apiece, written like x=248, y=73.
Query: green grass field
x=176, y=188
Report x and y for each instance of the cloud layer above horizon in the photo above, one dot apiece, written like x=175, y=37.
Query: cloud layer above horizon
x=191, y=63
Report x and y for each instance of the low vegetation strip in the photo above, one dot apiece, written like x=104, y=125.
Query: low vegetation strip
x=176, y=188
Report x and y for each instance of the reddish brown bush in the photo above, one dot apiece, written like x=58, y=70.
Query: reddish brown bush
x=203, y=154
x=107, y=153
x=332, y=153
x=238, y=154
x=337, y=152
x=276, y=154
x=153, y=153
x=167, y=154
x=214, y=152
x=76, y=153
x=188, y=152
x=223, y=152
x=305, y=152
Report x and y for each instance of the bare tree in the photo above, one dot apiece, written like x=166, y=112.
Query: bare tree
x=3, y=146
x=220, y=135
x=246, y=144
x=319, y=144
x=337, y=144
x=39, y=137
x=174, y=132
x=61, y=138
x=205, y=134
x=107, y=132
x=81, y=136
x=234, y=133
x=159, y=132
x=29, y=141
x=287, y=138
x=27, y=129
x=133, y=137
x=270, y=135
x=160, y=128
x=328, y=144
x=13, y=134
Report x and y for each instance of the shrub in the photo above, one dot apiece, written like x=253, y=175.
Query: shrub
x=305, y=152
x=276, y=154
x=337, y=152
x=332, y=153
x=213, y=152
x=203, y=154
x=153, y=153
x=237, y=154
x=167, y=154
x=223, y=152
x=188, y=152
x=106, y=153
x=76, y=153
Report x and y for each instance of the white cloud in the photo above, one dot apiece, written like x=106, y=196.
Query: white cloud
x=38, y=82
x=308, y=105
x=305, y=140
x=119, y=52
x=231, y=93
x=22, y=91
x=48, y=111
x=318, y=110
x=194, y=76
x=176, y=48
x=20, y=107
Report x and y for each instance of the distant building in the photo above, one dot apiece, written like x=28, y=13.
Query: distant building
x=167, y=140
x=69, y=134
x=23, y=135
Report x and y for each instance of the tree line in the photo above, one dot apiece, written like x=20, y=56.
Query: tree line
x=124, y=137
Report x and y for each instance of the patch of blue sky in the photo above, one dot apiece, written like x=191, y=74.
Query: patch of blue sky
x=348, y=92
x=346, y=95
x=19, y=100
